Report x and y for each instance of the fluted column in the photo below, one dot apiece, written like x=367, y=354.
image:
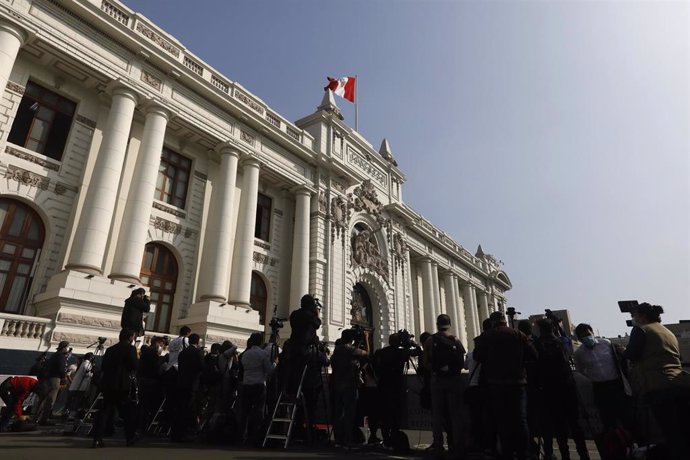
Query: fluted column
x=91, y=237
x=219, y=240
x=471, y=317
x=299, y=279
x=483, y=306
x=11, y=39
x=428, y=296
x=241, y=280
x=135, y=222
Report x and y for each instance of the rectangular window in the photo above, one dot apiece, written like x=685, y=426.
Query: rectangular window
x=173, y=178
x=43, y=121
x=262, y=230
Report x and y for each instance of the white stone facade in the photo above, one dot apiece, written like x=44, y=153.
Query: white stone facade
x=337, y=217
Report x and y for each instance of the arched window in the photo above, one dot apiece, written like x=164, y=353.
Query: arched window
x=159, y=273
x=258, y=298
x=21, y=240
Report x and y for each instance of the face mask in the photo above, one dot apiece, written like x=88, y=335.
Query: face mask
x=589, y=341
x=634, y=322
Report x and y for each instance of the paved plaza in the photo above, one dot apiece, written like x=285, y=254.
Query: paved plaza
x=52, y=445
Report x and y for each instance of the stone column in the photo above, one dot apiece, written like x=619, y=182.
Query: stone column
x=451, y=302
x=428, y=296
x=462, y=323
x=241, y=281
x=471, y=317
x=12, y=38
x=93, y=229
x=483, y=306
x=437, y=292
x=299, y=278
x=136, y=219
x=219, y=240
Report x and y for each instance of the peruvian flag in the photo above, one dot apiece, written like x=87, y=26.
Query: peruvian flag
x=343, y=87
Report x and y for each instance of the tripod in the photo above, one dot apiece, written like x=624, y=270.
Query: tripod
x=89, y=415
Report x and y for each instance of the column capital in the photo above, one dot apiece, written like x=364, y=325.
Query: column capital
x=124, y=91
x=251, y=162
x=18, y=31
x=152, y=107
x=228, y=148
x=302, y=190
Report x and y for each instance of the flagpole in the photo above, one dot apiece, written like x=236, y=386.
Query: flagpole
x=356, y=103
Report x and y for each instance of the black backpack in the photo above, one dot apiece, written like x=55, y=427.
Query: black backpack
x=447, y=356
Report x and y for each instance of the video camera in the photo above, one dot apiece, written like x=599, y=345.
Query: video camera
x=276, y=323
x=627, y=306
x=406, y=339
x=359, y=334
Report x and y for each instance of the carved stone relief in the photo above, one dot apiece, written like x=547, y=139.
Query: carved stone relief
x=32, y=158
x=323, y=202
x=365, y=252
x=400, y=250
x=339, y=215
x=27, y=177
x=264, y=259
x=88, y=321
x=151, y=80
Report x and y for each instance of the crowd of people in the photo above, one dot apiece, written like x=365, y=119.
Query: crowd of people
x=517, y=386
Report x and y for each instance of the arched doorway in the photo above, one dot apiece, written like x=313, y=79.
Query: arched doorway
x=21, y=239
x=362, y=311
x=258, y=297
x=159, y=274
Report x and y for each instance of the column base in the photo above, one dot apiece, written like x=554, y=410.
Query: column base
x=218, y=321
x=83, y=308
x=125, y=278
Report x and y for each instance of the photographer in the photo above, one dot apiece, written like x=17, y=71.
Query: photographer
x=304, y=324
x=13, y=391
x=658, y=377
x=79, y=385
x=346, y=364
x=389, y=365
x=55, y=375
x=133, y=314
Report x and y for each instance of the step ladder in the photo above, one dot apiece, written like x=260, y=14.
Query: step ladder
x=284, y=413
x=156, y=427
x=89, y=417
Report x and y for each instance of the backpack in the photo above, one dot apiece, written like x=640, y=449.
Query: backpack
x=40, y=367
x=447, y=356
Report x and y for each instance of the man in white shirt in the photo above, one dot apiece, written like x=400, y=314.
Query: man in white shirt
x=257, y=366
x=177, y=345
x=599, y=361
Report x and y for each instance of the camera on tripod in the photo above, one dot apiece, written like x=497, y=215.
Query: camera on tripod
x=276, y=322
x=101, y=340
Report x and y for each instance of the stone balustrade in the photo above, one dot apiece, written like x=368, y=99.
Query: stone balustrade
x=23, y=327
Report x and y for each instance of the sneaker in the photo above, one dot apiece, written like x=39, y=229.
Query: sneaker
x=374, y=441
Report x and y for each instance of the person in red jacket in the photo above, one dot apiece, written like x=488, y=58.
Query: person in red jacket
x=13, y=391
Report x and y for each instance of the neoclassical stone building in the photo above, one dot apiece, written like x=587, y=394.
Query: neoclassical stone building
x=125, y=160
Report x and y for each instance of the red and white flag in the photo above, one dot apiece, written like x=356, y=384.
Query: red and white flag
x=343, y=87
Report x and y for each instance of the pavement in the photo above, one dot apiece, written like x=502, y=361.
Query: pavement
x=51, y=444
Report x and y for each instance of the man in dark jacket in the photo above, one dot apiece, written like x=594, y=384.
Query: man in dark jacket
x=118, y=367
x=133, y=313
x=502, y=353
x=190, y=364
x=304, y=324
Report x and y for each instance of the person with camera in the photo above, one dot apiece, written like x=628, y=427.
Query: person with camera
x=346, y=364
x=136, y=305
x=658, y=377
x=81, y=381
x=444, y=357
x=257, y=365
x=304, y=323
x=55, y=374
x=389, y=365
x=558, y=399
x=502, y=353
x=118, y=386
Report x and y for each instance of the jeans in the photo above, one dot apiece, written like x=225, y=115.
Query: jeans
x=509, y=404
x=45, y=406
x=253, y=402
x=344, y=409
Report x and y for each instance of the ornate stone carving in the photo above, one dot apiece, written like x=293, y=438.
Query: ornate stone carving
x=249, y=102
x=157, y=39
x=79, y=339
x=339, y=215
x=32, y=158
x=364, y=199
x=248, y=138
x=12, y=86
x=61, y=189
x=27, y=177
x=339, y=186
x=151, y=80
x=105, y=323
x=166, y=226
x=264, y=259
x=323, y=202
x=400, y=250
x=262, y=245
x=365, y=252
x=86, y=121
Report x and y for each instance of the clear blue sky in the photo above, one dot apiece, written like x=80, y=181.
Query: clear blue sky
x=556, y=134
